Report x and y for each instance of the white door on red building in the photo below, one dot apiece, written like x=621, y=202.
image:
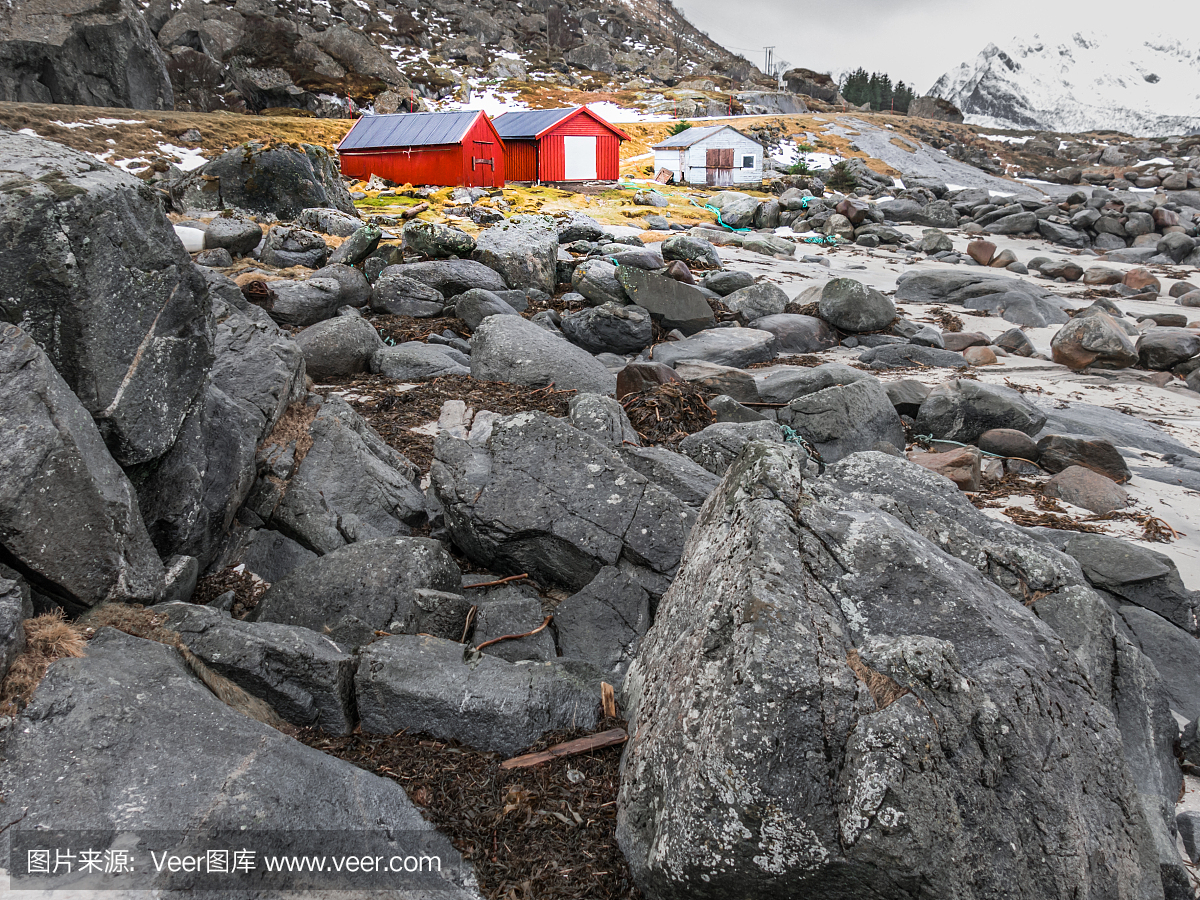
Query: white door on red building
x=580, y=155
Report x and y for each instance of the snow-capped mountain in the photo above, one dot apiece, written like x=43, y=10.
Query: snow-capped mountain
x=1089, y=82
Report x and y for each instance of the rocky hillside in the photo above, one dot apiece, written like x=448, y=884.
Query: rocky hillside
x=1088, y=82
x=252, y=55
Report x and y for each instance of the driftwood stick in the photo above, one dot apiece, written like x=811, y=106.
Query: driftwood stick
x=610, y=738
x=467, y=587
x=513, y=637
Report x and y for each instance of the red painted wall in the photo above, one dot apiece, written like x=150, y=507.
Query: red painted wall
x=608, y=149
x=441, y=165
x=520, y=160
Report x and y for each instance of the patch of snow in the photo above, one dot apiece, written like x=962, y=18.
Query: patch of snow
x=72, y=124
x=28, y=131
x=186, y=158
x=1160, y=161
x=610, y=112
x=110, y=122
x=1006, y=139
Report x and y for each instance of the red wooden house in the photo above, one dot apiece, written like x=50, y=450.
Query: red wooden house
x=560, y=145
x=427, y=148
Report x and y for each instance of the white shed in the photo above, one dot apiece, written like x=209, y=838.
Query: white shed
x=713, y=154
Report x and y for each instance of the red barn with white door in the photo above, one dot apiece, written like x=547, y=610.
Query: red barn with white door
x=427, y=148
x=560, y=145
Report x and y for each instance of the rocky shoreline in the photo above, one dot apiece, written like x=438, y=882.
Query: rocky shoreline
x=872, y=521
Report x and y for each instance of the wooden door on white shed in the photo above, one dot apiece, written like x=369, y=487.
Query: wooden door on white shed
x=580, y=153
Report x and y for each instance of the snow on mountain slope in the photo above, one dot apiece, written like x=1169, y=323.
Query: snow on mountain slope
x=1086, y=83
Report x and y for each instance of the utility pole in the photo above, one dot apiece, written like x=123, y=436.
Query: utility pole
x=768, y=56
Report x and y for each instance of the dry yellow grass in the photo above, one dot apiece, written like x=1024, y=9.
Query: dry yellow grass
x=48, y=638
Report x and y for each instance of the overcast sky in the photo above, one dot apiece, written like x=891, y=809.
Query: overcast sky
x=916, y=41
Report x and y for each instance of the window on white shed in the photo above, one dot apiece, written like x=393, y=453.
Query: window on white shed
x=747, y=162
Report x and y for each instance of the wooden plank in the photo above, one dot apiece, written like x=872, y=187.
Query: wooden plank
x=712, y=158
x=610, y=738
x=726, y=158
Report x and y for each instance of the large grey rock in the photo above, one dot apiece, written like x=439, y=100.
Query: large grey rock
x=757, y=301
x=609, y=328
x=692, y=250
x=415, y=361
x=15, y=607
x=596, y=280
x=287, y=245
x=503, y=616
x=845, y=419
x=236, y=234
x=960, y=286
x=335, y=482
x=1121, y=429
x=737, y=209
x=282, y=180
x=671, y=303
x=579, y=227
x=399, y=295
x=604, y=419
x=423, y=685
x=961, y=410
x=514, y=350
x=1174, y=652
x=786, y=384
x=1137, y=575
x=477, y=304
x=727, y=281
x=189, y=496
x=523, y=249
x=96, y=275
x=343, y=345
x=736, y=347
x=355, y=289
x=353, y=592
x=302, y=675
x=438, y=241
x=357, y=247
x=796, y=333
x=328, y=221
x=852, y=306
x=759, y=764
x=717, y=446
x=545, y=498
x=88, y=54
x=271, y=555
x=303, y=303
x=69, y=519
x=1017, y=223
x=1165, y=348
x=903, y=356
x=126, y=739
x=673, y=472
x=255, y=363
x=450, y=277
x=604, y=623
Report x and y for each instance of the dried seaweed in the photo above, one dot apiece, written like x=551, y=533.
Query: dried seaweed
x=946, y=320
x=393, y=414
x=543, y=832
x=401, y=329
x=247, y=589
x=667, y=413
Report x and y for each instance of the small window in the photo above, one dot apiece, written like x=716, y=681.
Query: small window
x=747, y=162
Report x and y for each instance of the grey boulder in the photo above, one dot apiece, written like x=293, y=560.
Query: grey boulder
x=338, y=346
x=396, y=294
x=609, y=328
x=329, y=221
x=796, y=333
x=604, y=623
x=596, y=280
x=542, y=497
x=233, y=233
x=303, y=303
x=735, y=347
x=422, y=684
x=757, y=301
x=671, y=303
x=331, y=480
x=438, y=241
x=353, y=592
x=692, y=250
x=68, y=515
x=450, y=277
x=961, y=410
x=523, y=249
x=516, y=351
x=288, y=245
x=415, y=361
x=851, y=306
x=844, y=419
x=302, y=675
x=477, y=304
x=97, y=277
x=717, y=446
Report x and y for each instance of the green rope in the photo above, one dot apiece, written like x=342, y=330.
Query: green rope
x=720, y=221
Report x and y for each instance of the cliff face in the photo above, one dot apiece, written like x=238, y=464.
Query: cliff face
x=1086, y=83
x=326, y=57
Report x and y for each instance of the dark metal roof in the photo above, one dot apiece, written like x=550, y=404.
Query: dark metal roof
x=529, y=124
x=695, y=134
x=422, y=129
